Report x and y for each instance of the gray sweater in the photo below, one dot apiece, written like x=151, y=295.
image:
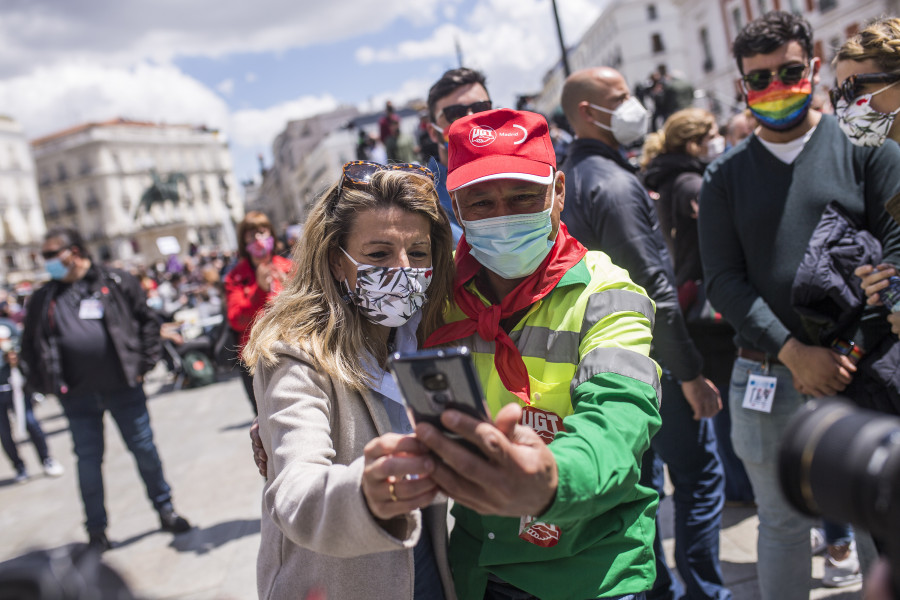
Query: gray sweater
x=757, y=215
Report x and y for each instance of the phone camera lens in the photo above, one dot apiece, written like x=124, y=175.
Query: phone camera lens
x=434, y=382
x=440, y=398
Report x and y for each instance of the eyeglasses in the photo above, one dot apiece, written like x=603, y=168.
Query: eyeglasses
x=850, y=89
x=760, y=79
x=51, y=254
x=458, y=111
x=360, y=172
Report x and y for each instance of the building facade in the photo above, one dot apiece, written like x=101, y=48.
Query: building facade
x=308, y=156
x=124, y=184
x=633, y=37
x=22, y=222
x=693, y=38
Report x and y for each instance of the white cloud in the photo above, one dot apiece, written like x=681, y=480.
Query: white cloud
x=46, y=32
x=226, y=87
x=514, y=42
x=53, y=98
x=250, y=77
x=258, y=127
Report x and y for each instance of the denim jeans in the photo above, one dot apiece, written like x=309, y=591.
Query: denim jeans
x=688, y=447
x=784, y=560
x=128, y=408
x=34, y=432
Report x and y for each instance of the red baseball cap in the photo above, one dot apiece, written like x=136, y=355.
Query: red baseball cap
x=499, y=144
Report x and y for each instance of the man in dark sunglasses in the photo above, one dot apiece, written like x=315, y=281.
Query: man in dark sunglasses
x=89, y=338
x=759, y=206
x=459, y=92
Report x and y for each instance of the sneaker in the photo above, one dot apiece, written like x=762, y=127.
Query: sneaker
x=52, y=468
x=817, y=542
x=99, y=542
x=841, y=573
x=172, y=522
x=21, y=475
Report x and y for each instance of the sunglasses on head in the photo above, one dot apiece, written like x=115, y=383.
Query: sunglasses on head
x=458, y=111
x=851, y=88
x=360, y=172
x=760, y=79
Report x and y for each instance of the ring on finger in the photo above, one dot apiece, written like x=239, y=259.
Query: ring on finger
x=392, y=492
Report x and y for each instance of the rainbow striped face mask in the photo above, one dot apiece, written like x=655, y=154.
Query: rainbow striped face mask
x=781, y=106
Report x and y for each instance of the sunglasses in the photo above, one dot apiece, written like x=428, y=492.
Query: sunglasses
x=760, y=79
x=360, y=172
x=851, y=87
x=51, y=254
x=458, y=111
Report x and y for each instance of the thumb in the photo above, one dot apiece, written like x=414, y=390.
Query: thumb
x=507, y=419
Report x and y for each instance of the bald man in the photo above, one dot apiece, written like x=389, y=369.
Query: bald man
x=608, y=209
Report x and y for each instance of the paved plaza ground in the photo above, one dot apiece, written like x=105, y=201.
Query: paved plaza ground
x=202, y=438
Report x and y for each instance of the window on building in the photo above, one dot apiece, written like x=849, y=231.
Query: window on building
x=708, y=63
x=69, y=205
x=736, y=17
x=656, y=43
x=61, y=172
x=826, y=5
x=11, y=261
x=651, y=12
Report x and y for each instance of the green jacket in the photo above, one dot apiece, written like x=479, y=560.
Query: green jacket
x=586, y=348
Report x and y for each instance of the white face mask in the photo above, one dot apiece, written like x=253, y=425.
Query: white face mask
x=512, y=246
x=628, y=123
x=864, y=125
x=714, y=148
x=388, y=296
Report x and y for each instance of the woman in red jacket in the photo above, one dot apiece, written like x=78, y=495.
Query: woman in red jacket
x=254, y=280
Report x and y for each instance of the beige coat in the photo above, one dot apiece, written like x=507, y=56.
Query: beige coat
x=317, y=531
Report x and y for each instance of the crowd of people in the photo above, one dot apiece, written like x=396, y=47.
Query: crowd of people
x=621, y=318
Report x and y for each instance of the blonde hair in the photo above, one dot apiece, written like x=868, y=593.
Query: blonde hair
x=688, y=125
x=879, y=41
x=309, y=312
x=653, y=146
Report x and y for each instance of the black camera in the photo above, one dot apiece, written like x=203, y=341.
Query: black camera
x=842, y=462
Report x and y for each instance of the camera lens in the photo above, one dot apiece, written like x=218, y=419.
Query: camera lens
x=434, y=382
x=843, y=463
x=440, y=398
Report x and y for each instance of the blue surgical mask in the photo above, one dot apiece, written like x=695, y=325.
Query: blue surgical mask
x=512, y=246
x=56, y=268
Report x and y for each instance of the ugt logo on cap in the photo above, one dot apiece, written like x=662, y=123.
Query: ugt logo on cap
x=482, y=136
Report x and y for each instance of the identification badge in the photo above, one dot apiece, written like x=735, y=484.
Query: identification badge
x=760, y=393
x=90, y=309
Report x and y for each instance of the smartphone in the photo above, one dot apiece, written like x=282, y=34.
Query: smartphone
x=432, y=381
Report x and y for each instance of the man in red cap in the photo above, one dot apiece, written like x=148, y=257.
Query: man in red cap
x=561, y=339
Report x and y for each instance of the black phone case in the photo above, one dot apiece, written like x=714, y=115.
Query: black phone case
x=432, y=381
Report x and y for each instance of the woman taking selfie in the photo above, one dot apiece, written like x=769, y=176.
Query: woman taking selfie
x=254, y=281
x=348, y=499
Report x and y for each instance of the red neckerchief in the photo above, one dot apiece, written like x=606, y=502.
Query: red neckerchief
x=564, y=255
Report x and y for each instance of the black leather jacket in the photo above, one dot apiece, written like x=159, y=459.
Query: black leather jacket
x=133, y=330
x=607, y=209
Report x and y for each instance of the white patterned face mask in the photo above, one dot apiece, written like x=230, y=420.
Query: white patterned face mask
x=864, y=125
x=388, y=296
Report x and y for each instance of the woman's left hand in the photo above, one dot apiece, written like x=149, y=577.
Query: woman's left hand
x=396, y=476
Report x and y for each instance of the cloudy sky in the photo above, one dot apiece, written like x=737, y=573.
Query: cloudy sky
x=248, y=67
